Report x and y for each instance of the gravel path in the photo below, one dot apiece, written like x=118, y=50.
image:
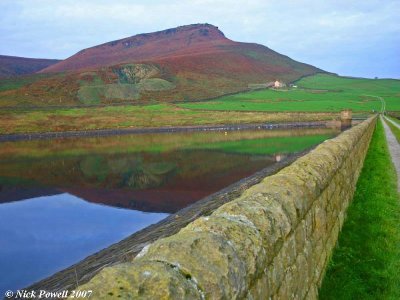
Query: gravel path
x=394, y=148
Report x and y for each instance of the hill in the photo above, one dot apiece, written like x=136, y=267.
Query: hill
x=184, y=40
x=14, y=66
x=186, y=63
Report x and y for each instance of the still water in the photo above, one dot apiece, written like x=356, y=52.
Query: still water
x=64, y=199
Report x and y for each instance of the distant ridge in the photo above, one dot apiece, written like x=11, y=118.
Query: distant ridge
x=14, y=65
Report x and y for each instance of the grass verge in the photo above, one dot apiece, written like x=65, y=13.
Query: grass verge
x=394, y=119
x=395, y=130
x=366, y=262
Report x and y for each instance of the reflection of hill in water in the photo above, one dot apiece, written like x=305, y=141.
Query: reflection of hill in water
x=156, y=172
x=154, y=142
x=149, y=182
x=124, y=171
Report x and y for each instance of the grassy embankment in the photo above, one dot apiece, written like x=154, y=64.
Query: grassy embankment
x=115, y=117
x=366, y=262
x=315, y=94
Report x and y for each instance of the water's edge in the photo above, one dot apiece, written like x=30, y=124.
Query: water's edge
x=121, y=131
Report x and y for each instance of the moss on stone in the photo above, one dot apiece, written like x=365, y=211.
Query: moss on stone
x=144, y=280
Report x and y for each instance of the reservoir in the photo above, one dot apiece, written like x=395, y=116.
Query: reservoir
x=64, y=199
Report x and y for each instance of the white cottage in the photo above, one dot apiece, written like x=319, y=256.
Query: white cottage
x=279, y=84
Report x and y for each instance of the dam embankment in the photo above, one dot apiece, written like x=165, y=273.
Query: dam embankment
x=274, y=240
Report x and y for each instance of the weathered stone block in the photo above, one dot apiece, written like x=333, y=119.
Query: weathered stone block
x=241, y=234
x=306, y=173
x=267, y=216
x=309, y=220
x=320, y=222
x=311, y=261
x=302, y=279
x=312, y=293
x=144, y=280
x=300, y=236
x=293, y=191
x=205, y=258
x=288, y=251
x=261, y=288
x=278, y=272
x=289, y=281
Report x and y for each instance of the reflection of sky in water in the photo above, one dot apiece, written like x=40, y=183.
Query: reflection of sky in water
x=46, y=234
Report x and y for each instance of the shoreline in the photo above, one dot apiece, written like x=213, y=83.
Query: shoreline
x=123, y=131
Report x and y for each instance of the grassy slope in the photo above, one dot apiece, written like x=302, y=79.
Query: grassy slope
x=320, y=92
x=366, y=262
x=12, y=83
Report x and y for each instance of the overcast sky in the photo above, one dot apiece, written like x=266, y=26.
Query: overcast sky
x=349, y=37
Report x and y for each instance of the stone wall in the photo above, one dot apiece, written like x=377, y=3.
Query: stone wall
x=273, y=241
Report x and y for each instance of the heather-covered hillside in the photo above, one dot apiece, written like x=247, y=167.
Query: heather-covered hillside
x=186, y=63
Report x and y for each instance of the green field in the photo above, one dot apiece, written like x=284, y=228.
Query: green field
x=366, y=261
x=322, y=93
